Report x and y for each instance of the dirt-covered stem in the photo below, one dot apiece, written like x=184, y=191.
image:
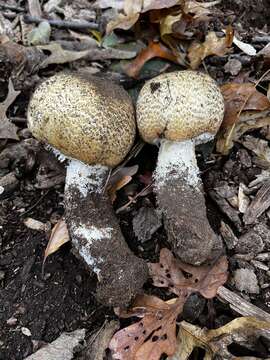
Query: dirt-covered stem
x=180, y=197
x=96, y=235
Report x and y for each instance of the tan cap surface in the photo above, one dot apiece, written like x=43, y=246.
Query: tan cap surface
x=179, y=106
x=91, y=119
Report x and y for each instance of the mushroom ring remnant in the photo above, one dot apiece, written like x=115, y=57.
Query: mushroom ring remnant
x=179, y=110
x=91, y=122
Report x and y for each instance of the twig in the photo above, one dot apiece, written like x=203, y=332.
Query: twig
x=36, y=204
x=242, y=306
x=131, y=201
x=63, y=24
x=12, y=8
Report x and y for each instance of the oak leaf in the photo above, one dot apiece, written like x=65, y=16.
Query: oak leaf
x=153, y=335
x=154, y=49
x=216, y=342
x=212, y=45
x=182, y=278
x=245, y=109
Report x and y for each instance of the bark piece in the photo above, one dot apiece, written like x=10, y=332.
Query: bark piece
x=259, y=204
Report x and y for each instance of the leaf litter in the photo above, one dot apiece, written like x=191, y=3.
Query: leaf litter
x=152, y=37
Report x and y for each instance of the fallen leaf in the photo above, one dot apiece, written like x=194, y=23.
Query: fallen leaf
x=217, y=341
x=61, y=348
x=7, y=129
x=199, y=9
x=36, y=224
x=241, y=97
x=246, y=48
x=59, y=55
x=212, y=45
x=97, y=344
x=120, y=178
x=247, y=121
x=59, y=236
x=171, y=273
x=153, y=335
x=130, y=10
x=245, y=109
x=154, y=49
x=265, y=51
x=167, y=22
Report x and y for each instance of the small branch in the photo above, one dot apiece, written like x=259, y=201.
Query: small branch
x=12, y=8
x=240, y=305
x=63, y=24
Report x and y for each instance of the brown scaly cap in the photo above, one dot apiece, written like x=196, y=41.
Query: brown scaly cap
x=179, y=106
x=88, y=119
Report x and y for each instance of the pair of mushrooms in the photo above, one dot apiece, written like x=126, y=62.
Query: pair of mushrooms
x=91, y=122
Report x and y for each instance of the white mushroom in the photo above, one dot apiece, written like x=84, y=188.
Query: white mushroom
x=179, y=110
x=91, y=122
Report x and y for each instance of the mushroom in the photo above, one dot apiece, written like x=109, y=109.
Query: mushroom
x=180, y=110
x=90, y=121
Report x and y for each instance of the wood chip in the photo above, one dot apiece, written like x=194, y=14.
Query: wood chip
x=259, y=204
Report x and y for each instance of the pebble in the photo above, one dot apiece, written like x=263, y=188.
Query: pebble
x=246, y=280
x=2, y=275
x=12, y=321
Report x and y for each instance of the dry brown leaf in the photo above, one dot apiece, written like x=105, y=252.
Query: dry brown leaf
x=153, y=335
x=170, y=273
x=245, y=109
x=212, y=45
x=59, y=236
x=199, y=9
x=131, y=10
x=124, y=22
x=265, y=51
x=7, y=129
x=120, y=178
x=59, y=55
x=241, y=97
x=216, y=342
x=154, y=49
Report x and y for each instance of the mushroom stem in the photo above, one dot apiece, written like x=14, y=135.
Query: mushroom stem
x=96, y=235
x=180, y=197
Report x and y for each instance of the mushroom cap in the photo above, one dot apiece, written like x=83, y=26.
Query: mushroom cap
x=86, y=118
x=178, y=106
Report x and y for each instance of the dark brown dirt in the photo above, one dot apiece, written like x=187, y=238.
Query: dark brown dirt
x=60, y=301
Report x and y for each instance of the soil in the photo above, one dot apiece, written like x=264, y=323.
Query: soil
x=63, y=297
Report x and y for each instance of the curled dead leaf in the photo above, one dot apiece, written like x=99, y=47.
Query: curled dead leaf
x=212, y=45
x=120, y=178
x=243, y=97
x=170, y=273
x=245, y=109
x=217, y=341
x=59, y=236
x=154, y=49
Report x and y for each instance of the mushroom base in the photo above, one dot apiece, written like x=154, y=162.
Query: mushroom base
x=97, y=238
x=179, y=195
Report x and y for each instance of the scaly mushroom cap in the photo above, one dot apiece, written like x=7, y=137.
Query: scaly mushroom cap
x=88, y=119
x=179, y=106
